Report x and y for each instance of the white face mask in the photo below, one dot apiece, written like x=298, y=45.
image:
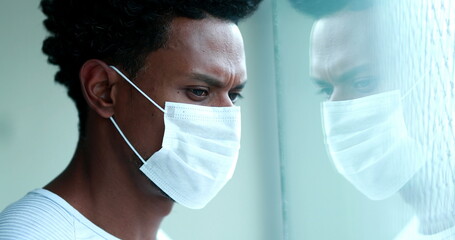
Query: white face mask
x=369, y=144
x=199, y=151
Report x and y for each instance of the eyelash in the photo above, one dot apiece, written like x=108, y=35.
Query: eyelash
x=237, y=97
x=326, y=91
x=365, y=83
x=193, y=91
x=202, y=93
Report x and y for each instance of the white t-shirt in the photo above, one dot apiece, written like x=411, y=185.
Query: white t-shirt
x=411, y=232
x=42, y=214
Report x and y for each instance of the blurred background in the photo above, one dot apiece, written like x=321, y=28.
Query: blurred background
x=284, y=187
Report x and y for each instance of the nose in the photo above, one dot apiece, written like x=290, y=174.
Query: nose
x=225, y=101
x=337, y=95
x=342, y=94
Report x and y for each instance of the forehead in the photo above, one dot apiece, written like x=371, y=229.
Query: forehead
x=342, y=41
x=211, y=36
x=196, y=30
x=208, y=46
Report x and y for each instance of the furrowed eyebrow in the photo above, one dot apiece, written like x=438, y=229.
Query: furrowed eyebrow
x=320, y=82
x=214, y=82
x=240, y=86
x=211, y=81
x=352, y=73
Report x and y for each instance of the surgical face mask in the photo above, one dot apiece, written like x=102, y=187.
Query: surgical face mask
x=199, y=151
x=369, y=144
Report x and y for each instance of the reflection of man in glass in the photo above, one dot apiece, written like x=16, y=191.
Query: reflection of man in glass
x=384, y=127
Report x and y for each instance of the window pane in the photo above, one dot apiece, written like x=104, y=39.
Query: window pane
x=373, y=152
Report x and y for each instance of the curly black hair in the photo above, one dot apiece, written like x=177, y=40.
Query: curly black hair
x=321, y=8
x=119, y=32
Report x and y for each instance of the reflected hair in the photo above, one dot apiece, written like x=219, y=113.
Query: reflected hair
x=321, y=8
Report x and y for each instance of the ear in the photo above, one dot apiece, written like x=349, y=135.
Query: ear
x=97, y=86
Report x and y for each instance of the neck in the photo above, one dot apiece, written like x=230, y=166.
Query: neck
x=104, y=183
x=431, y=193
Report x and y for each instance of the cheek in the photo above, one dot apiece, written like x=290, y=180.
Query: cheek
x=149, y=129
x=143, y=125
x=152, y=135
x=178, y=94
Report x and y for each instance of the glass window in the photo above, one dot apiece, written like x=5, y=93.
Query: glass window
x=365, y=99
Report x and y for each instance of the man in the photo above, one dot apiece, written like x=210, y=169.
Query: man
x=389, y=83
x=155, y=84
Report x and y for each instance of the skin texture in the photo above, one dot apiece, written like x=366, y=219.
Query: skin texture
x=202, y=63
x=343, y=56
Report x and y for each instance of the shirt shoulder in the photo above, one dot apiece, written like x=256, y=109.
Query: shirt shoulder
x=36, y=216
x=161, y=235
x=42, y=214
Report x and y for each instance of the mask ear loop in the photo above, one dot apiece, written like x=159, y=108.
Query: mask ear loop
x=126, y=140
x=134, y=85
x=143, y=94
x=412, y=88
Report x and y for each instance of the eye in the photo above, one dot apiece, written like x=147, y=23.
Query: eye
x=198, y=94
x=325, y=87
x=235, y=96
x=364, y=84
x=326, y=91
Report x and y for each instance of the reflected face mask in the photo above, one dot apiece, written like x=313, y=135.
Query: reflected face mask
x=369, y=144
x=199, y=151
